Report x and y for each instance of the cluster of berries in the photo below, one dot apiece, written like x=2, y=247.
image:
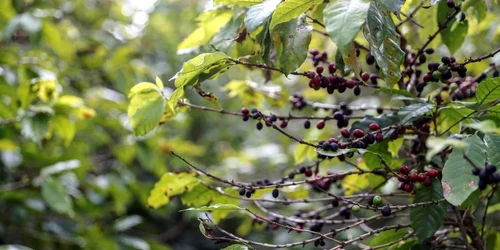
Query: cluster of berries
x=487, y=175
x=410, y=178
x=268, y=120
x=298, y=101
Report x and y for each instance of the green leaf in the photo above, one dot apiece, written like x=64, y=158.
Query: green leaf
x=488, y=91
x=290, y=9
x=214, y=207
x=56, y=197
x=393, y=5
x=486, y=126
x=380, y=33
x=295, y=36
x=200, y=195
x=300, y=153
x=35, y=127
x=201, y=67
x=170, y=185
x=458, y=180
x=492, y=143
x=479, y=6
x=343, y=21
x=64, y=127
x=375, y=153
x=146, y=109
x=414, y=111
x=394, y=146
x=388, y=236
x=426, y=220
x=257, y=14
x=243, y=3
x=339, y=151
x=237, y=247
x=455, y=32
x=437, y=145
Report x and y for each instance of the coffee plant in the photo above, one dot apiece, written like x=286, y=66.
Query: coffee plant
x=417, y=172
x=285, y=124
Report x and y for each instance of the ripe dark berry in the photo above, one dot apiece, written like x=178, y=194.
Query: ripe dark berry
x=331, y=68
x=432, y=173
x=482, y=184
x=245, y=118
x=450, y=4
x=427, y=78
x=365, y=76
x=343, y=105
x=496, y=178
x=338, y=116
x=320, y=125
x=350, y=84
x=377, y=200
x=421, y=177
x=422, y=59
x=307, y=124
x=355, y=209
x=370, y=59
x=433, y=66
x=413, y=177
x=446, y=75
x=358, y=133
x=314, y=52
x=404, y=169
x=245, y=111
x=254, y=110
x=335, y=202
x=380, y=110
x=291, y=175
x=357, y=91
x=374, y=126
x=345, y=132
x=490, y=169
x=308, y=172
x=429, y=51
x=319, y=69
x=483, y=175
x=370, y=138
x=445, y=60
x=386, y=210
x=408, y=187
x=276, y=192
x=242, y=191
x=259, y=125
x=334, y=146
x=283, y=124
x=475, y=171
x=496, y=73
x=248, y=194
x=302, y=170
x=427, y=181
x=379, y=137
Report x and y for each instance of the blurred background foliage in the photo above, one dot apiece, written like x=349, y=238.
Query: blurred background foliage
x=72, y=175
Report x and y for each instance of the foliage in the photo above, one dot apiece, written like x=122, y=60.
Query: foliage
x=390, y=138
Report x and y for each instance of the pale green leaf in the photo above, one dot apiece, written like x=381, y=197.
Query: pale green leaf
x=295, y=36
x=243, y=3
x=486, y=126
x=492, y=143
x=343, y=21
x=488, y=91
x=257, y=14
x=56, y=196
x=170, y=185
x=437, y=145
x=159, y=83
x=145, y=111
x=455, y=32
x=458, y=181
x=201, y=67
x=393, y=5
x=290, y=9
x=35, y=127
x=380, y=33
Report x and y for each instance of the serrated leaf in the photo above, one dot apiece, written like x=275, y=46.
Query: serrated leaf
x=414, y=111
x=343, y=21
x=146, y=110
x=426, y=220
x=170, y=185
x=56, y=196
x=437, y=145
x=200, y=68
x=380, y=33
x=295, y=36
x=458, y=181
x=393, y=5
x=243, y=3
x=290, y=9
x=455, y=32
x=258, y=14
x=492, y=143
x=488, y=91
x=215, y=207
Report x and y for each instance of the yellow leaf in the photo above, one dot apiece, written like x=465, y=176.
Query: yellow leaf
x=6, y=144
x=159, y=83
x=210, y=23
x=142, y=87
x=170, y=185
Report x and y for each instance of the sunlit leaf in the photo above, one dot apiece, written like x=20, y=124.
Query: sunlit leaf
x=145, y=110
x=291, y=9
x=488, y=91
x=257, y=14
x=170, y=185
x=201, y=67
